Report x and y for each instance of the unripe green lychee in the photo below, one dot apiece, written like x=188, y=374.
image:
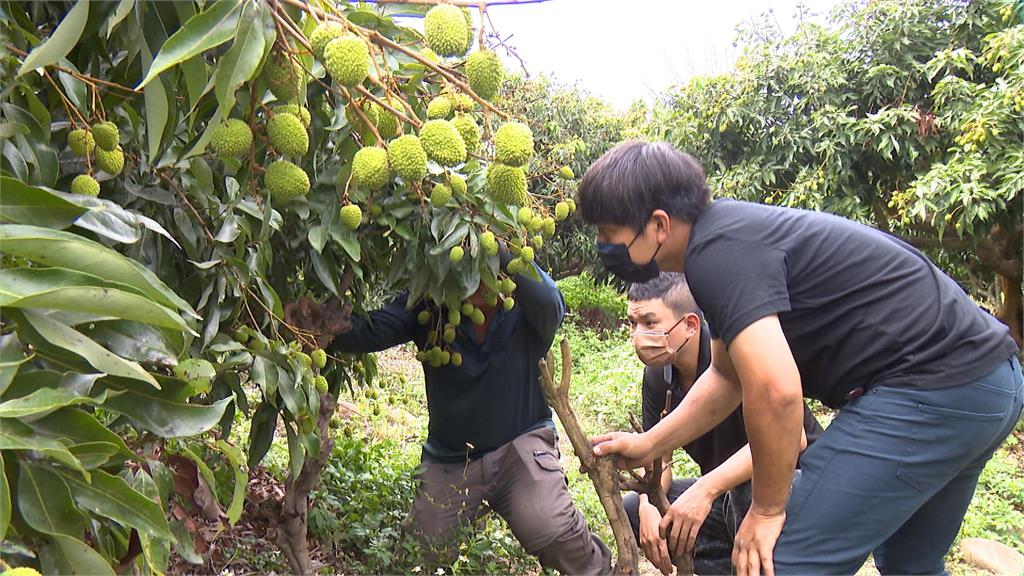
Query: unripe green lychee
x=478, y=317
x=469, y=130
x=561, y=211
x=85, y=185
x=287, y=134
x=370, y=167
x=351, y=216
x=285, y=180
x=441, y=195
x=458, y=185
x=81, y=142
x=107, y=135
x=347, y=60
x=110, y=161
x=407, y=158
x=456, y=254
x=439, y=107
x=443, y=143
x=323, y=34
x=485, y=73
x=231, y=139
x=446, y=31
x=513, y=144
x=524, y=215
x=489, y=243
x=507, y=184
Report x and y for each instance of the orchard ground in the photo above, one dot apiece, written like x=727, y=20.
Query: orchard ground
x=356, y=514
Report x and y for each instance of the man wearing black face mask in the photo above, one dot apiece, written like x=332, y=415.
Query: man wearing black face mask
x=672, y=340
x=804, y=303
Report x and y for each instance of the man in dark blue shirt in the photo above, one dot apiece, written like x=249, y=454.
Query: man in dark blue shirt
x=490, y=435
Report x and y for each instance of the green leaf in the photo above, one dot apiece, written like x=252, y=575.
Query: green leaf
x=93, y=454
x=348, y=241
x=194, y=73
x=24, y=204
x=11, y=359
x=157, y=107
x=243, y=59
x=5, y=501
x=186, y=547
x=208, y=29
x=62, y=289
x=203, y=469
x=166, y=418
x=237, y=459
x=66, y=250
x=124, y=8
x=454, y=237
x=45, y=503
x=11, y=129
x=31, y=381
x=134, y=341
x=45, y=400
x=15, y=435
x=261, y=432
x=63, y=336
x=79, y=558
x=110, y=220
x=112, y=497
x=78, y=427
x=60, y=43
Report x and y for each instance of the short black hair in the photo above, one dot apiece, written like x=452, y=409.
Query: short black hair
x=669, y=287
x=633, y=179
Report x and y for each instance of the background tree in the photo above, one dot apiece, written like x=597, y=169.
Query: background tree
x=903, y=115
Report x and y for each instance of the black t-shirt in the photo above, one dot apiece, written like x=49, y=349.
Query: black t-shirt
x=858, y=306
x=715, y=447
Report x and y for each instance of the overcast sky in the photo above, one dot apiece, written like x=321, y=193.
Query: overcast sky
x=623, y=50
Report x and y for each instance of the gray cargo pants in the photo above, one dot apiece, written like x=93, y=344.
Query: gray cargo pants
x=523, y=482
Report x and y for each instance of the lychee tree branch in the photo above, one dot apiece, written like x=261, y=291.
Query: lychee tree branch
x=377, y=38
x=601, y=471
x=650, y=484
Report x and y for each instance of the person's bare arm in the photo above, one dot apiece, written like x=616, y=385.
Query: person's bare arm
x=773, y=415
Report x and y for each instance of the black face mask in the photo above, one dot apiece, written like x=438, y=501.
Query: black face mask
x=615, y=258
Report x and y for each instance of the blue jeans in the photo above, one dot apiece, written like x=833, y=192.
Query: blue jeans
x=894, y=474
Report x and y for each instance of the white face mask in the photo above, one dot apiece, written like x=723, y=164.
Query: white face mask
x=653, y=348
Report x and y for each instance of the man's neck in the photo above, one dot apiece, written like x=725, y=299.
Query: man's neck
x=686, y=364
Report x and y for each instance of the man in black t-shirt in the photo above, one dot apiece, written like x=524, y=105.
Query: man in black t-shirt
x=806, y=303
x=674, y=343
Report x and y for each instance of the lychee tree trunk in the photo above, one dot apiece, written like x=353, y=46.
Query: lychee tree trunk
x=291, y=532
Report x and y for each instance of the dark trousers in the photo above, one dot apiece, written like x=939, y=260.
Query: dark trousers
x=893, y=475
x=713, y=550
x=524, y=483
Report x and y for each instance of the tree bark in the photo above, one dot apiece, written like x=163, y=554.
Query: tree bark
x=650, y=484
x=291, y=533
x=601, y=471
